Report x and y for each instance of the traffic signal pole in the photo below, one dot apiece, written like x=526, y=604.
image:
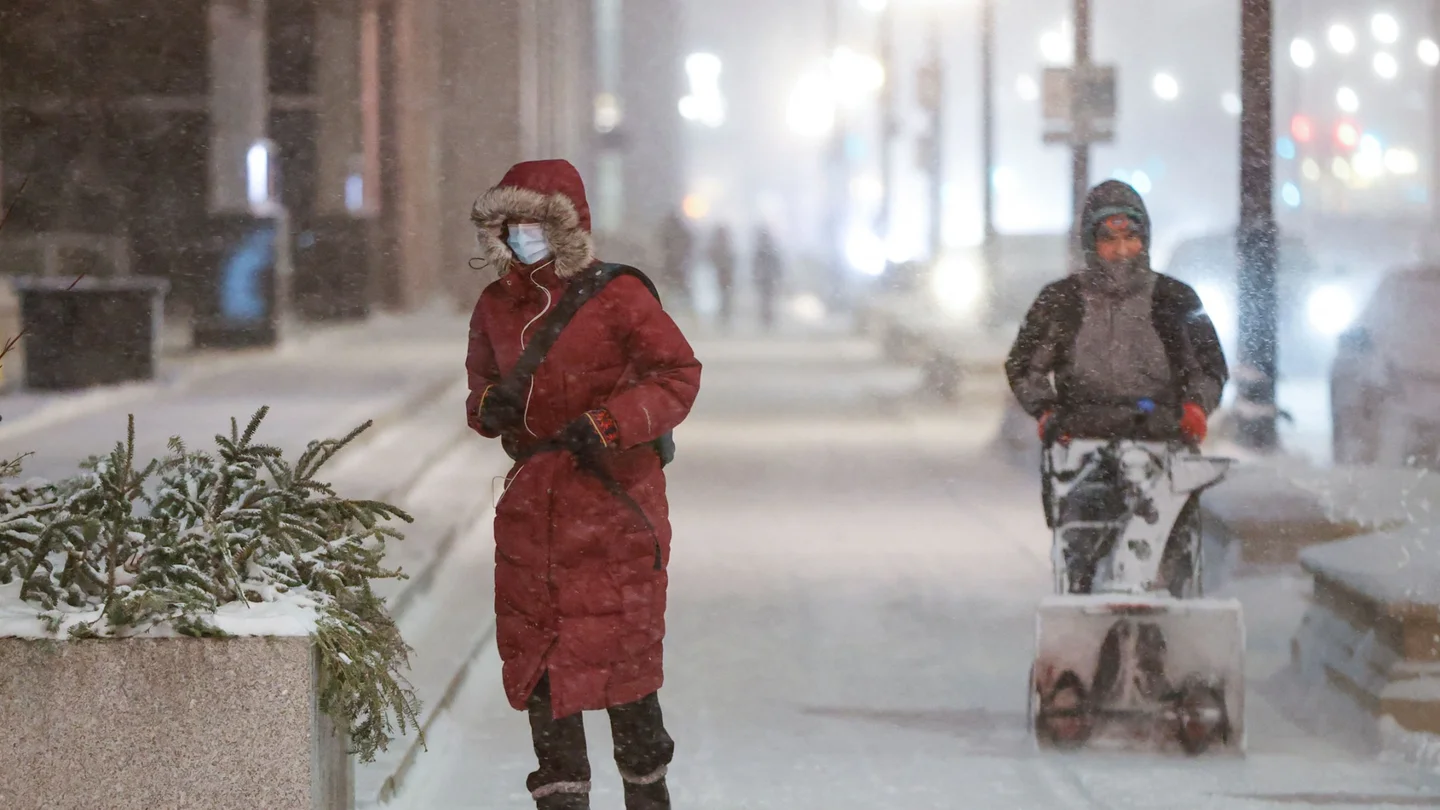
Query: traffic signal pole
x=1080, y=146
x=1256, y=240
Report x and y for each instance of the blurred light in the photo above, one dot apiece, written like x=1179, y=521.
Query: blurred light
x=811, y=112
x=1290, y=193
x=1402, y=162
x=867, y=189
x=1218, y=305
x=1428, y=51
x=703, y=67
x=865, y=252
x=354, y=192
x=1230, y=103
x=1027, y=89
x=958, y=286
x=1166, y=87
x=1302, y=129
x=705, y=103
x=1385, y=66
x=1370, y=145
x=876, y=6
x=607, y=112
x=1346, y=134
x=1340, y=167
x=695, y=206
x=1385, y=27
x=807, y=308
x=1285, y=148
x=1341, y=38
x=1347, y=99
x=1368, y=165
x=1330, y=310
x=855, y=75
x=1141, y=182
x=1055, y=47
x=1310, y=169
x=257, y=174
x=1002, y=178
x=1302, y=53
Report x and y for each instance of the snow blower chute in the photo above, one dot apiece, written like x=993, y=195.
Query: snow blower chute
x=1129, y=654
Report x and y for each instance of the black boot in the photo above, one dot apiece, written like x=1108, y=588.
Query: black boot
x=654, y=796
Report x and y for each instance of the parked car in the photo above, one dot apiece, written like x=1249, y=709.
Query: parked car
x=1385, y=381
x=1315, y=305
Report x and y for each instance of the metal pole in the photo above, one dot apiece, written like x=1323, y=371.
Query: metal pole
x=837, y=185
x=937, y=140
x=1255, y=376
x=987, y=136
x=1080, y=148
x=889, y=125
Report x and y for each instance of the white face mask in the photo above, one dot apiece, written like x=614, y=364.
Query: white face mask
x=528, y=242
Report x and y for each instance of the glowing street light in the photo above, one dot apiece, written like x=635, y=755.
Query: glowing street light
x=1302, y=53
x=1385, y=28
x=1056, y=47
x=1385, y=65
x=1341, y=38
x=1401, y=162
x=1166, y=87
x=1428, y=51
x=811, y=111
x=1347, y=100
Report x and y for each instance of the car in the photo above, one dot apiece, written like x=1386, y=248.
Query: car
x=1315, y=305
x=1385, y=379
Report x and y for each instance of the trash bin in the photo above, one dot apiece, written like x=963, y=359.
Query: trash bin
x=234, y=291
x=100, y=331
x=332, y=270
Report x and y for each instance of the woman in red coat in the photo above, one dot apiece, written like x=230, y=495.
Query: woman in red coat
x=579, y=568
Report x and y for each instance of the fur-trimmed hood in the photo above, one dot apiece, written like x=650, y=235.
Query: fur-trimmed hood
x=549, y=192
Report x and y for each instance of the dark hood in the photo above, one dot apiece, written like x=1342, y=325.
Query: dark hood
x=1106, y=200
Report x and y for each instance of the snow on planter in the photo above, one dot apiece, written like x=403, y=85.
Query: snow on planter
x=201, y=629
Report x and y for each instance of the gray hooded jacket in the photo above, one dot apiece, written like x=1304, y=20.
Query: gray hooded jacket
x=1096, y=344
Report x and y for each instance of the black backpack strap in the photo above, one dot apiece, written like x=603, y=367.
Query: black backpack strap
x=582, y=289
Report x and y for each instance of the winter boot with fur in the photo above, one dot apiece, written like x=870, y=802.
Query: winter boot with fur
x=647, y=792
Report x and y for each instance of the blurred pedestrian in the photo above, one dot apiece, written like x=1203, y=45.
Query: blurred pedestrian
x=722, y=258
x=676, y=245
x=769, y=276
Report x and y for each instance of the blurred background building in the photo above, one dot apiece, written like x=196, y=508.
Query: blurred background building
x=136, y=126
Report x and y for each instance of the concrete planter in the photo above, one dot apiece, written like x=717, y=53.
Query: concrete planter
x=147, y=723
x=1371, y=634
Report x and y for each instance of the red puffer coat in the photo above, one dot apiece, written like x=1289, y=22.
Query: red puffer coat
x=577, y=591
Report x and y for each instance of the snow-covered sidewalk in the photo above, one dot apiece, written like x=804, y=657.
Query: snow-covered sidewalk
x=318, y=384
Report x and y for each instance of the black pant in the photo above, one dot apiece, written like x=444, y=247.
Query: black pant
x=643, y=750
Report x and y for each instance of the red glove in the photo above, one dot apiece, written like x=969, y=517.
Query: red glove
x=1043, y=423
x=1194, y=423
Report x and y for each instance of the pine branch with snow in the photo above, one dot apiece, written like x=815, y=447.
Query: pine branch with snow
x=104, y=555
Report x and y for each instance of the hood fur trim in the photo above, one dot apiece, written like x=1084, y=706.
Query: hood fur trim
x=573, y=248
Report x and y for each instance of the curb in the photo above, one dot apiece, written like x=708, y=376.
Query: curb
x=394, y=781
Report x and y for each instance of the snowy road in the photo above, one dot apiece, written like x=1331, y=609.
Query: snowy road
x=850, y=626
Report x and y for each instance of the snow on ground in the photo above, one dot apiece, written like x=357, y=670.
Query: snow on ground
x=851, y=619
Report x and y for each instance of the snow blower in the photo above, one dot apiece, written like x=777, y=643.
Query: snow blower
x=1130, y=655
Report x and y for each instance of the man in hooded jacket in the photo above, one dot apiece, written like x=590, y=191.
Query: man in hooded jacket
x=580, y=555
x=1118, y=351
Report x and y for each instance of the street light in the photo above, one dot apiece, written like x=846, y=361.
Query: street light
x=1302, y=53
x=1428, y=51
x=1341, y=38
x=1166, y=87
x=1385, y=65
x=1385, y=28
x=1347, y=100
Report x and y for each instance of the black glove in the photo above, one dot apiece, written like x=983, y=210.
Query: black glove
x=581, y=438
x=502, y=410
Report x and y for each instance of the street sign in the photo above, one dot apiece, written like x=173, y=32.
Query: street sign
x=1079, y=105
